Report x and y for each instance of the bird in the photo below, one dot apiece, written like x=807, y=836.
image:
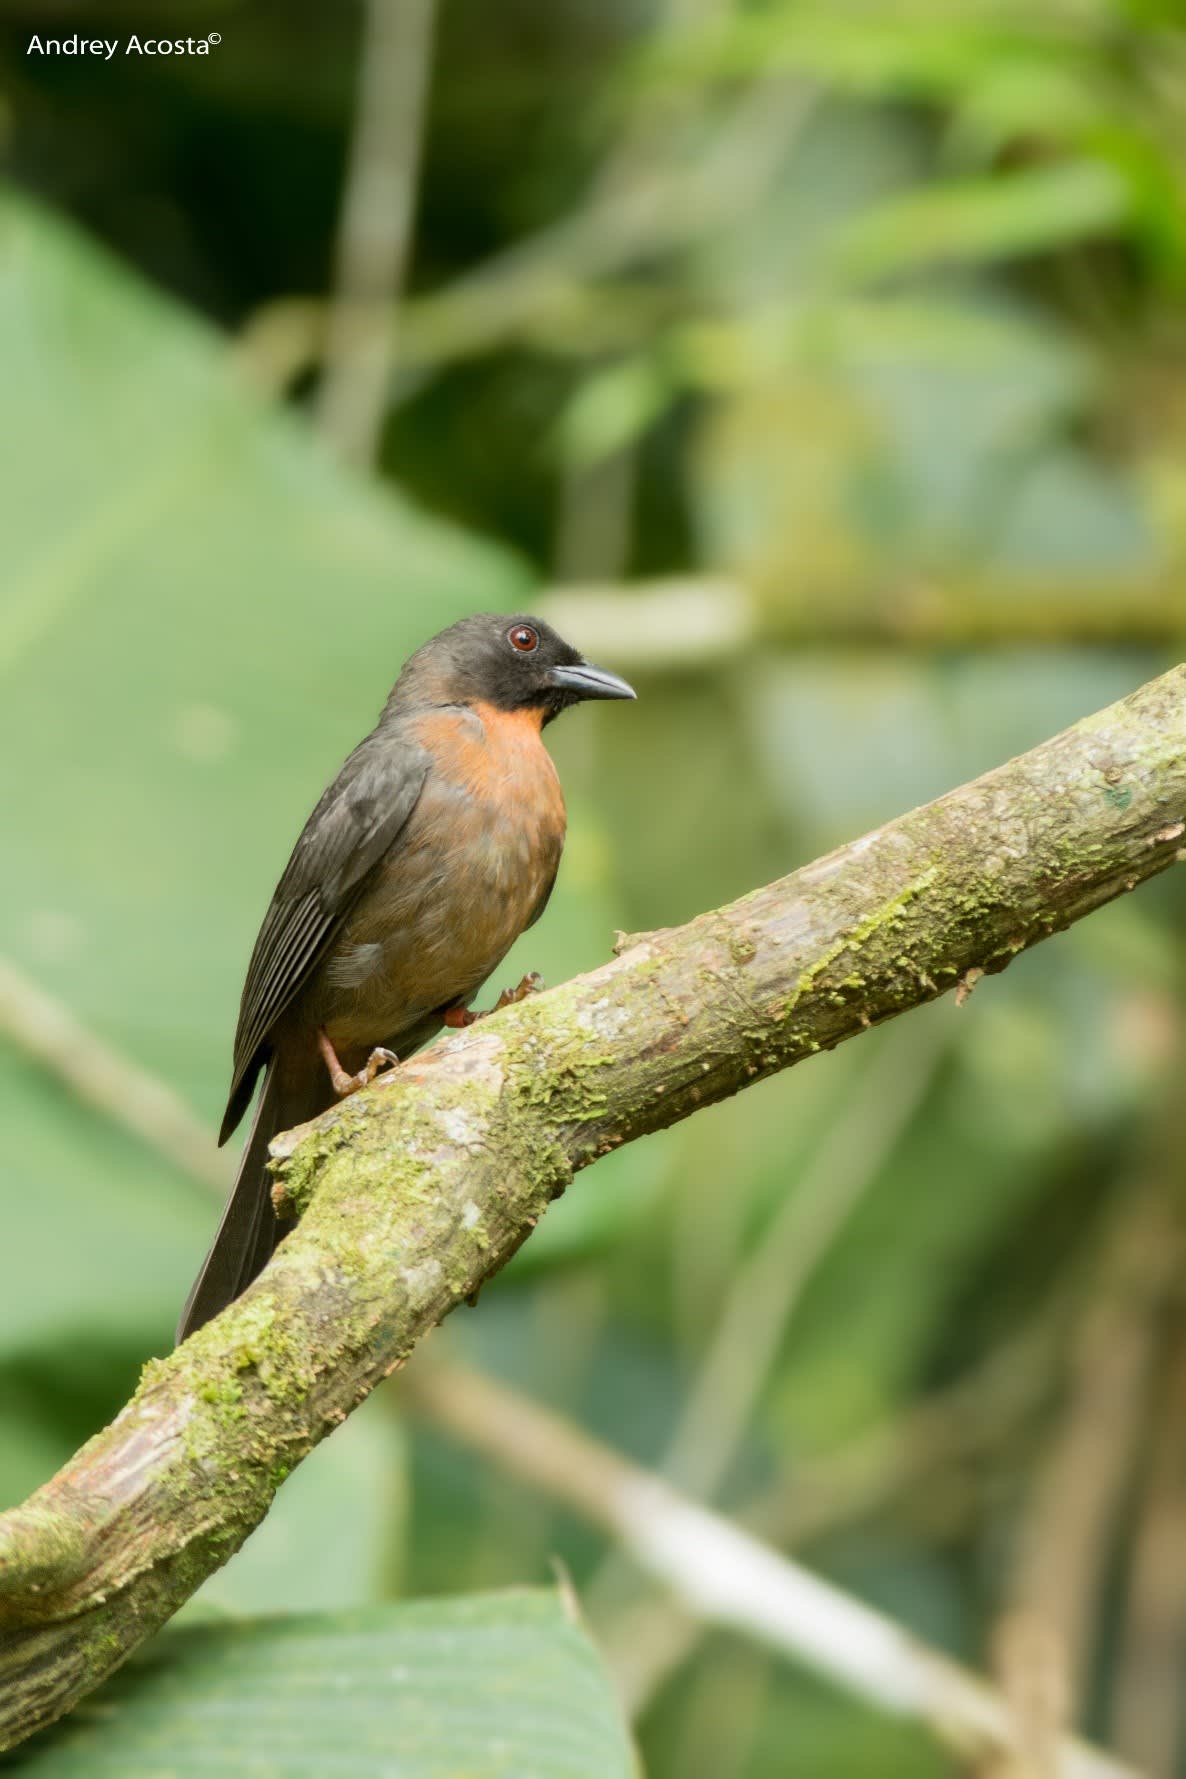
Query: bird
x=433, y=849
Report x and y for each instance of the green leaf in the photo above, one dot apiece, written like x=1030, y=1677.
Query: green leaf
x=501, y=1686
x=200, y=615
x=986, y=219
x=611, y=408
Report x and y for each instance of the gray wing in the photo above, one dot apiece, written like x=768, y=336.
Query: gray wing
x=358, y=818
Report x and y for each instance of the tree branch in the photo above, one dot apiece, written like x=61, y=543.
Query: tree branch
x=415, y=1191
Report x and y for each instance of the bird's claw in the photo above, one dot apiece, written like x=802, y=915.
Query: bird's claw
x=379, y=1059
x=341, y=1080
x=531, y=984
x=459, y=1017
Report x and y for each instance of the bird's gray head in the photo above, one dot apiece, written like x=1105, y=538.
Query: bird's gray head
x=515, y=663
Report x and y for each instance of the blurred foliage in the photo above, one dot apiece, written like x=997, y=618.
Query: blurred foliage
x=851, y=299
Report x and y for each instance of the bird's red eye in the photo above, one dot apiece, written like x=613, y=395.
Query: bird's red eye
x=523, y=638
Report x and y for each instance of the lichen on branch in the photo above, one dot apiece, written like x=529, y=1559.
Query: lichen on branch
x=416, y=1190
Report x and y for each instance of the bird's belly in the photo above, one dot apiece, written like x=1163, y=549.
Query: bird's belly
x=439, y=916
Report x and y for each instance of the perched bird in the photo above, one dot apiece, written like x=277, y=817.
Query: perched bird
x=432, y=850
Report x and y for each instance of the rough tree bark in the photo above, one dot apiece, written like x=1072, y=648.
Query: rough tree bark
x=415, y=1191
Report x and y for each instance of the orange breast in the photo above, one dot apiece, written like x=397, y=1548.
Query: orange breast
x=498, y=754
x=463, y=881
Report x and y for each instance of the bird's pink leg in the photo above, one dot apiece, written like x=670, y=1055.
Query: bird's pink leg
x=343, y=1082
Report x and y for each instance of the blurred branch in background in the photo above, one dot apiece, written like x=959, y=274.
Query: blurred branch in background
x=375, y=230
x=1148, y=1715
x=764, y=1293
x=538, y=283
x=834, y=222
x=1085, y=1476
x=697, y=622
x=725, y=1576
x=105, y=1079
x=937, y=1437
x=742, y=1353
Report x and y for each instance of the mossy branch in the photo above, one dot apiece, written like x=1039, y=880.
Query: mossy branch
x=415, y=1191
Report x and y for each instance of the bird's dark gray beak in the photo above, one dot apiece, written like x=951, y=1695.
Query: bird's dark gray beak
x=590, y=682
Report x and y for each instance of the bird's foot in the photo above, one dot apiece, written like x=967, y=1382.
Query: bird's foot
x=459, y=1017
x=531, y=984
x=342, y=1081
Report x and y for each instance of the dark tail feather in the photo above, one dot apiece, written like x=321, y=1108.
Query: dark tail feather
x=249, y=1230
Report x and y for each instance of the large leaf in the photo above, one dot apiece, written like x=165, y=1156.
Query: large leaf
x=501, y=1686
x=200, y=614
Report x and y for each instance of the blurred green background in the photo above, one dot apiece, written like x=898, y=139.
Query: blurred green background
x=864, y=323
